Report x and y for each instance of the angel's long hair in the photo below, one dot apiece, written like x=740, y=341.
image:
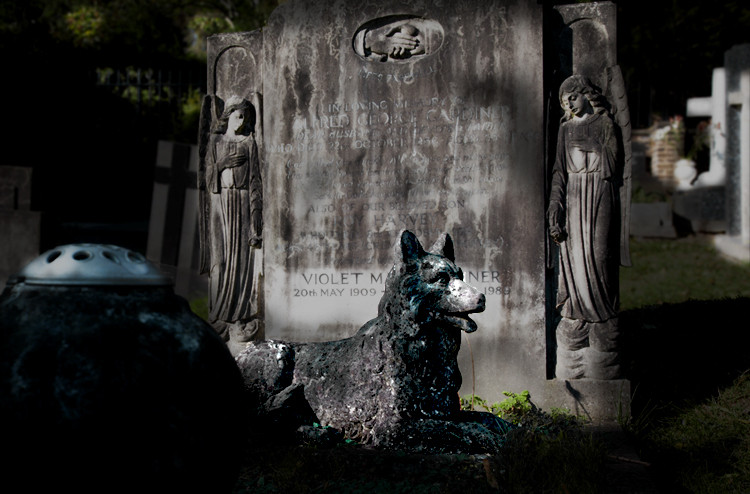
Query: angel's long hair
x=582, y=85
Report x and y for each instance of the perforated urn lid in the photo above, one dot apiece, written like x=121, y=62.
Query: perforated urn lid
x=92, y=265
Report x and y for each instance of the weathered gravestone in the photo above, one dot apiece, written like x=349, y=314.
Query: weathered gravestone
x=719, y=200
x=375, y=117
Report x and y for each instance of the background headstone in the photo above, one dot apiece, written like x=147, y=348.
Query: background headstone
x=19, y=226
x=737, y=65
x=173, y=226
x=719, y=200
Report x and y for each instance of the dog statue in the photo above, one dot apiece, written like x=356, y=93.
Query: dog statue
x=394, y=384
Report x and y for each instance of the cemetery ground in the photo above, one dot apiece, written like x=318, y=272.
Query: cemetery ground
x=684, y=310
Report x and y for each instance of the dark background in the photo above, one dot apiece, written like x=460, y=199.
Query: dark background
x=93, y=151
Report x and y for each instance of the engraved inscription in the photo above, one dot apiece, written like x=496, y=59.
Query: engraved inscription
x=424, y=163
x=332, y=284
x=367, y=125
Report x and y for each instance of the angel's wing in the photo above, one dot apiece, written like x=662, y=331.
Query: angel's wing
x=204, y=137
x=617, y=96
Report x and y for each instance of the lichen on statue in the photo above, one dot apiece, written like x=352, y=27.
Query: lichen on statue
x=233, y=222
x=394, y=384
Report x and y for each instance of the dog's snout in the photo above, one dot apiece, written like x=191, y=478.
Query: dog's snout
x=464, y=298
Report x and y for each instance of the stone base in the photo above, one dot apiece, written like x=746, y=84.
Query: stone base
x=600, y=401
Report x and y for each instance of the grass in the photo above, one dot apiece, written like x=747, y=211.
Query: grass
x=685, y=313
x=676, y=271
x=706, y=448
x=346, y=468
x=551, y=452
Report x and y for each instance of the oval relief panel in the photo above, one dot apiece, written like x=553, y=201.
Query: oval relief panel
x=397, y=38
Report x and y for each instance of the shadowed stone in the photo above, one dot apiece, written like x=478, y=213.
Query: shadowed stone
x=112, y=388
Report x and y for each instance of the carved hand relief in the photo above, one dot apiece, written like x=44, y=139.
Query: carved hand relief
x=398, y=39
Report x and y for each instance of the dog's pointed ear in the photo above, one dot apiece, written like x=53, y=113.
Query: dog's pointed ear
x=408, y=249
x=443, y=246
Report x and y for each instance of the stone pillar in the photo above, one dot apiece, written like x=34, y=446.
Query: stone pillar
x=743, y=100
x=589, y=377
x=736, y=242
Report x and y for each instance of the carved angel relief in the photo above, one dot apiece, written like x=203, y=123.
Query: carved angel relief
x=231, y=203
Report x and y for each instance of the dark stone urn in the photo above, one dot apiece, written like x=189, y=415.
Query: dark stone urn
x=109, y=383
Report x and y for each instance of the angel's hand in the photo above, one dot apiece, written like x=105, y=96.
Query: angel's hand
x=557, y=234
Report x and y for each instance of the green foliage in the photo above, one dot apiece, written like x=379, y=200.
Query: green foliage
x=202, y=25
x=471, y=402
x=515, y=408
x=120, y=31
x=85, y=25
x=200, y=307
x=142, y=90
x=125, y=31
x=518, y=409
x=186, y=124
x=548, y=451
x=515, y=404
x=207, y=24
